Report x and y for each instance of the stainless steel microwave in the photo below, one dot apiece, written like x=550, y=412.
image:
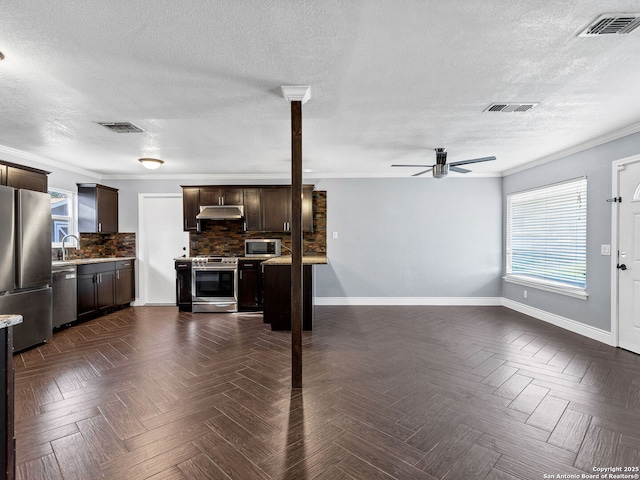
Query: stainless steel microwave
x=262, y=247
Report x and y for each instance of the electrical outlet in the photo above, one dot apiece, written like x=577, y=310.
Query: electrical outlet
x=525, y=294
x=335, y=234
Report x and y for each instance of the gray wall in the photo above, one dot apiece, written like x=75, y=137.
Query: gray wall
x=595, y=164
x=396, y=237
x=412, y=237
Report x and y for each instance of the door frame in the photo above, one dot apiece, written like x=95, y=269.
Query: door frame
x=616, y=166
x=142, y=239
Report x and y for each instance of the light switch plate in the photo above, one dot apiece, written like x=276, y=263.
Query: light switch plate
x=605, y=249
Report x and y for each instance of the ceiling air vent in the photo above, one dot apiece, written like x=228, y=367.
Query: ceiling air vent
x=121, y=127
x=510, y=107
x=612, y=23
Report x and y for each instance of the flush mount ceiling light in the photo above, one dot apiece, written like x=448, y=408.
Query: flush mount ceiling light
x=1, y=56
x=151, y=163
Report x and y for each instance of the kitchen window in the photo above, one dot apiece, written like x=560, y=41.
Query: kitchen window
x=547, y=238
x=63, y=216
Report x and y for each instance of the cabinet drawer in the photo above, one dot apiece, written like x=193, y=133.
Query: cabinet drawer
x=91, y=268
x=124, y=264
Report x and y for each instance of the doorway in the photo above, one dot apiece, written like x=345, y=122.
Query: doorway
x=161, y=239
x=625, y=279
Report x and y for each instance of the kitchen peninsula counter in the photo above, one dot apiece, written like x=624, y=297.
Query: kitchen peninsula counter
x=88, y=261
x=7, y=440
x=306, y=260
x=277, y=291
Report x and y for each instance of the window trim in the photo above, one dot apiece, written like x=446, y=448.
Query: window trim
x=72, y=218
x=541, y=283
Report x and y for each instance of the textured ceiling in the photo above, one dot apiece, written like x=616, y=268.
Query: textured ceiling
x=390, y=80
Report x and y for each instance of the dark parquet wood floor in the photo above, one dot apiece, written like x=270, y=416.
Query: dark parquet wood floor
x=389, y=393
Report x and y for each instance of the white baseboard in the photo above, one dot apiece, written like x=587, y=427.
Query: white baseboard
x=408, y=301
x=562, y=322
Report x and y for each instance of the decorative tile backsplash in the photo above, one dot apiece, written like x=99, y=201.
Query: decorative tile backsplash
x=226, y=237
x=100, y=245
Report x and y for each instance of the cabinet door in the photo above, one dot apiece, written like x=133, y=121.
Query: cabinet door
x=125, y=291
x=107, y=201
x=87, y=303
x=183, y=286
x=105, y=289
x=249, y=286
x=307, y=209
x=26, y=179
x=232, y=196
x=210, y=196
x=190, y=207
x=252, y=213
x=221, y=196
x=276, y=208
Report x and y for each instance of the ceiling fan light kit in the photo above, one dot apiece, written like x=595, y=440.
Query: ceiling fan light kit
x=441, y=168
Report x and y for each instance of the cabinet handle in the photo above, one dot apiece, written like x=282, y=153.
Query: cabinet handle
x=99, y=227
x=240, y=274
x=117, y=274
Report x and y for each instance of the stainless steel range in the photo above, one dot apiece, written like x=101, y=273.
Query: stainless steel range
x=214, y=284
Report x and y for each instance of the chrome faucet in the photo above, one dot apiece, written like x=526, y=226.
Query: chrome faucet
x=64, y=252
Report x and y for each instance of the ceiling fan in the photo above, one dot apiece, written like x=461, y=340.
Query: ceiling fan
x=441, y=168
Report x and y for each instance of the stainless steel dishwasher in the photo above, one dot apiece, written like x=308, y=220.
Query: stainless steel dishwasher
x=64, y=302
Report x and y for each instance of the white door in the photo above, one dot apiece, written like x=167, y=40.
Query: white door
x=629, y=258
x=161, y=240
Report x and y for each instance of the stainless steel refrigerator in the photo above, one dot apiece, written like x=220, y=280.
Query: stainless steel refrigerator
x=25, y=263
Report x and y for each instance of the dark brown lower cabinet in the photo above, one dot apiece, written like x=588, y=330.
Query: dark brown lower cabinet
x=183, y=285
x=249, y=286
x=8, y=447
x=103, y=287
x=125, y=282
x=277, y=296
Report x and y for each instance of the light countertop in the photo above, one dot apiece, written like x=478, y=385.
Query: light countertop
x=86, y=261
x=9, y=320
x=306, y=260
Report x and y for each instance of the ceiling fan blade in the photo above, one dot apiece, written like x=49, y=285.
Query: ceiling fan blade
x=473, y=160
x=412, y=165
x=453, y=168
x=423, y=172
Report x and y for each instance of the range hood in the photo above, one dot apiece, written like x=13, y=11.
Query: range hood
x=221, y=212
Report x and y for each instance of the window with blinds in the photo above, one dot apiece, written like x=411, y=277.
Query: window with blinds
x=547, y=236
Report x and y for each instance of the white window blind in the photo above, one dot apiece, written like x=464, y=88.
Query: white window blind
x=547, y=235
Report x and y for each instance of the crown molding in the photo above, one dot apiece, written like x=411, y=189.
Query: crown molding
x=581, y=147
x=30, y=157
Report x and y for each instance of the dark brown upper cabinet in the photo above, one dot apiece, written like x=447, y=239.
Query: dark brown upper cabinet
x=276, y=209
x=97, y=208
x=252, y=210
x=266, y=208
x=190, y=207
x=27, y=178
x=221, y=196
